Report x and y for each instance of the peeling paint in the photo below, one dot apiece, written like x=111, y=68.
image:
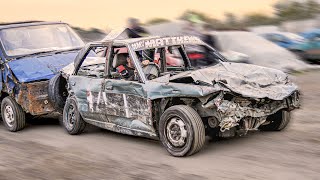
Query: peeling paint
x=33, y=97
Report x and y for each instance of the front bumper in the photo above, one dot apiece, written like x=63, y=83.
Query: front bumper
x=231, y=112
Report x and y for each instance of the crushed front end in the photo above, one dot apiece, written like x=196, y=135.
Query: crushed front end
x=228, y=114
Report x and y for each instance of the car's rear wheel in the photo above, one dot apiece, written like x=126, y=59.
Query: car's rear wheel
x=278, y=121
x=181, y=130
x=72, y=120
x=14, y=118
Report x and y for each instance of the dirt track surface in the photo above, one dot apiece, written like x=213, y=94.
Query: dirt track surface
x=45, y=151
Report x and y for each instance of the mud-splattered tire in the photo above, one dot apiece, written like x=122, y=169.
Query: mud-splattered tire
x=278, y=121
x=14, y=118
x=181, y=130
x=58, y=92
x=72, y=120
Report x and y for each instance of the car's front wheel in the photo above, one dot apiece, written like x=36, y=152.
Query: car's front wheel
x=12, y=114
x=72, y=120
x=57, y=92
x=181, y=130
x=277, y=121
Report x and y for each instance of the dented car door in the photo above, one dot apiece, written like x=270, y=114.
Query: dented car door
x=86, y=80
x=87, y=90
x=125, y=102
x=128, y=108
x=111, y=103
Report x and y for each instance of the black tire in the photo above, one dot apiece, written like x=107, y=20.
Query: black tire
x=72, y=120
x=195, y=131
x=278, y=121
x=58, y=92
x=14, y=118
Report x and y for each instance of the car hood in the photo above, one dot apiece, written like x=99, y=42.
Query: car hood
x=245, y=79
x=40, y=67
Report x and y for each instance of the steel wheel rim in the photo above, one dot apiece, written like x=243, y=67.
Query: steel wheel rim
x=176, y=131
x=9, y=115
x=71, y=116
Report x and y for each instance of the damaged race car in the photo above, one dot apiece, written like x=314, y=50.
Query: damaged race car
x=31, y=53
x=123, y=92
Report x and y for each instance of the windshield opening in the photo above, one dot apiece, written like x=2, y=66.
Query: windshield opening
x=35, y=39
x=176, y=58
x=201, y=56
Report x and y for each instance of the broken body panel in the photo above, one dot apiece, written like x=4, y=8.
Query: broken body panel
x=237, y=96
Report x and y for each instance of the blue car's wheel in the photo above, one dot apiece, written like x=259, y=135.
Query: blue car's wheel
x=12, y=114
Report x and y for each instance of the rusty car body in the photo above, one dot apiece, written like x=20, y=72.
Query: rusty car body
x=31, y=53
x=179, y=105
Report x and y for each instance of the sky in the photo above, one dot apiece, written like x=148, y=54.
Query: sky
x=105, y=14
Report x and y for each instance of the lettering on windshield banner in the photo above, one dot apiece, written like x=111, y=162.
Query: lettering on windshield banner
x=167, y=41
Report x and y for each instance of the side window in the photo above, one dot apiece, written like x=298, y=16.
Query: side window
x=174, y=57
x=201, y=55
x=270, y=37
x=122, y=65
x=278, y=38
x=93, y=65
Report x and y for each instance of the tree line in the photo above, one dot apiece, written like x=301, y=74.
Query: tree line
x=283, y=11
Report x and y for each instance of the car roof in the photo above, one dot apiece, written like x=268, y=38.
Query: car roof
x=157, y=41
x=122, y=41
x=132, y=40
x=26, y=23
x=128, y=41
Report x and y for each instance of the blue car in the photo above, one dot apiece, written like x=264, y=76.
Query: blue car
x=307, y=46
x=309, y=50
x=31, y=53
x=284, y=39
x=311, y=34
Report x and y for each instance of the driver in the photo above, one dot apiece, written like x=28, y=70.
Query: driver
x=127, y=70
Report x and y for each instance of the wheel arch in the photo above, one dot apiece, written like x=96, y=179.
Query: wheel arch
x=160, y=105
x=3, y=95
